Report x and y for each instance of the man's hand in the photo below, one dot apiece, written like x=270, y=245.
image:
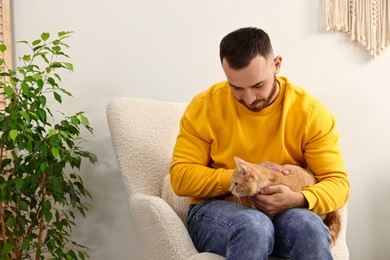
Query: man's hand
x=275, y=167
x=273, y=200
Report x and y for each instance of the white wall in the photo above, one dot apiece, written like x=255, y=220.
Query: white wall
x=169, y=50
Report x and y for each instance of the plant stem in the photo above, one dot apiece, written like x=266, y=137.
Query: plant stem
x=2, y=203
x=3, y=225
x=42, y=218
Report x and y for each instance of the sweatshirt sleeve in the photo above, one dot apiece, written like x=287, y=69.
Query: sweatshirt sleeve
x=323, y=157
x=190, y=172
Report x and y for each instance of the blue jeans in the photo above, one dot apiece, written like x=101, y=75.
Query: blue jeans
x=238, y=232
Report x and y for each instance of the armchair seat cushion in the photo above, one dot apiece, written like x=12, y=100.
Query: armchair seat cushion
x=178, y=203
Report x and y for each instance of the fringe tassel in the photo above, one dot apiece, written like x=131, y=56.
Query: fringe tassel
x=364, y=21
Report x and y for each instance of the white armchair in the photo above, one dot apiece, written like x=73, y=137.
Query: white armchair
x=143, y=133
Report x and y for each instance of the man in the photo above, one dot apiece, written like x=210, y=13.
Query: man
x=258, y=117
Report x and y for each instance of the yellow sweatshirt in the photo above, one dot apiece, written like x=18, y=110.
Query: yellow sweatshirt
x=295, y=129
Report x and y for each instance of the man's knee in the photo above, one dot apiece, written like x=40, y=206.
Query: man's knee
x=254, y=232
x=300, y=223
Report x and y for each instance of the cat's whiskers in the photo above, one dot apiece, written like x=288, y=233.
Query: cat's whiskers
x=236, y=201
x=239, y=200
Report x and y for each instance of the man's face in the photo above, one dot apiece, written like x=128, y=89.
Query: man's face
x=254, y=86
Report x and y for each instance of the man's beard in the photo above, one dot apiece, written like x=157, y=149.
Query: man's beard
x=265, y=102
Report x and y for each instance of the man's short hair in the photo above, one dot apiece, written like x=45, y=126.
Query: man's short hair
x=239, y=47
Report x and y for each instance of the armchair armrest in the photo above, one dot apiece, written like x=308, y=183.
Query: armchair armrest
x=160, y=232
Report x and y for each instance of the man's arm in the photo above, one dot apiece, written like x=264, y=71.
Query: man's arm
x=322, y=155
x=190, y=174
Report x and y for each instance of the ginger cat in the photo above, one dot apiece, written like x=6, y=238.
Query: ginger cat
x=248, y=179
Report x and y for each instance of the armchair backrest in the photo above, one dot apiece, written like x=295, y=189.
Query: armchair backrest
x=143, y=133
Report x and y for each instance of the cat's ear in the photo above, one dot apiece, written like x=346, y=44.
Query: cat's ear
x=241, y=166
x=238, y=161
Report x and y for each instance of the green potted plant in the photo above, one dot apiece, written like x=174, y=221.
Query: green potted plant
x=40, y=188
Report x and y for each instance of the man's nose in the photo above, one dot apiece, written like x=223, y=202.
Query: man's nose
x=249, y=97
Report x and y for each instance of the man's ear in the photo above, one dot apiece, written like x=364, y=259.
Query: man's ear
x=277, y=64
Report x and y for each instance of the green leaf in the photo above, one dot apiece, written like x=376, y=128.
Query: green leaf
x=43, y=166
x=3, y=184
x=92, y=158
x=69, y=66
x=7, y=248
x=26, y=244
x=9, y=91
x=40, y=82
x=66, y=92
x=71, y=255
x=56, y=49
x=5, y=74
x=74, y=120
x=63, y=33
x=57, y=97
x=23, y=205
x=5, y=162
x=37, y=75
x=13, y=134
x=29, y=147
x=58, y=76
x=43, y=55
x=13, y=81
x=42, y=99
x=56, y=65
x=46, y=206
x=51, y=132
x=81, y=255
x=45, y=36
x=42, y=114
x=26, y=58
x=84, y=120
x=26, y=116
x=63, y=134
x=19, y=184
x=48, y=216
x=3, y=48
x=59, y=253
x=11, y=222
x=25, y=88
x=36, y=42
x=55, y=152
x=52, y=82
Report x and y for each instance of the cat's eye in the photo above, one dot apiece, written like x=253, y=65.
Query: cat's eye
x=235, y=183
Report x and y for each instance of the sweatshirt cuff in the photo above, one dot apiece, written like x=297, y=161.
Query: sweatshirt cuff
x=226, y=180
x=311, y=199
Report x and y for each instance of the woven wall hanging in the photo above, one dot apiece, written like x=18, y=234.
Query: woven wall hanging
x=364, y=21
